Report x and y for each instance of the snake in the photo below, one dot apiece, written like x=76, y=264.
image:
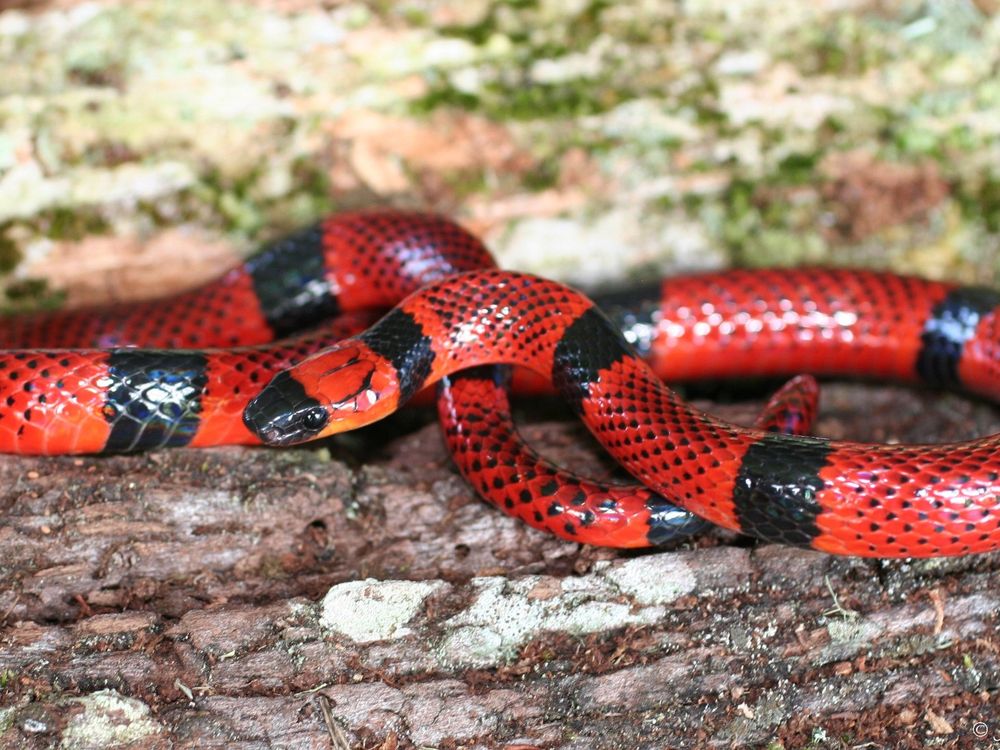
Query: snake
x=479, y=430
x=837, y=497
x=210, y=353
x=207, y=351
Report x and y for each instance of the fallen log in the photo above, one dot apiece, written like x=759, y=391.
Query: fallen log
x=356, y=594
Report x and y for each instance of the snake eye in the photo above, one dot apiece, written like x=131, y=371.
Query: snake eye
x=314, y=419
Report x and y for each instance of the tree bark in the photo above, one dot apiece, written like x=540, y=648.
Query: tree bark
x=357, y=594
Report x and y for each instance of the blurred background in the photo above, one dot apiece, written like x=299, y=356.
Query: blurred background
x=146, y=146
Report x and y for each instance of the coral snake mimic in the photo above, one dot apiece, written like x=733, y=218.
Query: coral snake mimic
x=211, y=376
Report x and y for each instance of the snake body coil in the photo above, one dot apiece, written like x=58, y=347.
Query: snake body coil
x=839, y=497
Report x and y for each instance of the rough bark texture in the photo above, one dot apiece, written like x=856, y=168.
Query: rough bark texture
x=358, y=595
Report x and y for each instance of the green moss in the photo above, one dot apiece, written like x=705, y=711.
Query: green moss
x=441, y=95
x=702, y=98
x=846, y=47
x=464, y=183
x=236, y=205
x=30, y=295
x=760, y=224
x=413, y=16
x=518, y=98
x=27, y=289
x=73, y=224
x=797, y=169
x=542, y=176
x=738, y=200
x=781, y=247
x=232, y=202
x=7, y=678
x=532, y=35
x=961, y=138
x=309, y=200
x=574, y=34
x=562, y=100
x=980, y=202
x=479, y=33
x=10, y=254
x=530, y=101
x=915, y=138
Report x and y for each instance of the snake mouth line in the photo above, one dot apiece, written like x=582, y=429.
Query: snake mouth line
x=284, y=414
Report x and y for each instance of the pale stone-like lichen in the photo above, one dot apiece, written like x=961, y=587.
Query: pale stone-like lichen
x=506, y=614
x=653, y=580
x=848, y=638
x=372, y=610
x=108, y=719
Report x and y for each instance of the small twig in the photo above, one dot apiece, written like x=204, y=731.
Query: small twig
x=837, y=609
x=186, y=690
x=84, y=605
x=936, y=599
x=338, y=740
x=310, y=691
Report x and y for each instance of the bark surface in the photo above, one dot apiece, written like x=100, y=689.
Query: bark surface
x=357, y=595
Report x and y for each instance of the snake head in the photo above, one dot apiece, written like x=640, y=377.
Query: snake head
x=333, y=391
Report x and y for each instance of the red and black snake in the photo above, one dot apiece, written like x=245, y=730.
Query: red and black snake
x=479, y=430
x=839, y=497
x=127, y=399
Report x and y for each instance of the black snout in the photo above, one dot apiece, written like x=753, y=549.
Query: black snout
x=283, y=413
